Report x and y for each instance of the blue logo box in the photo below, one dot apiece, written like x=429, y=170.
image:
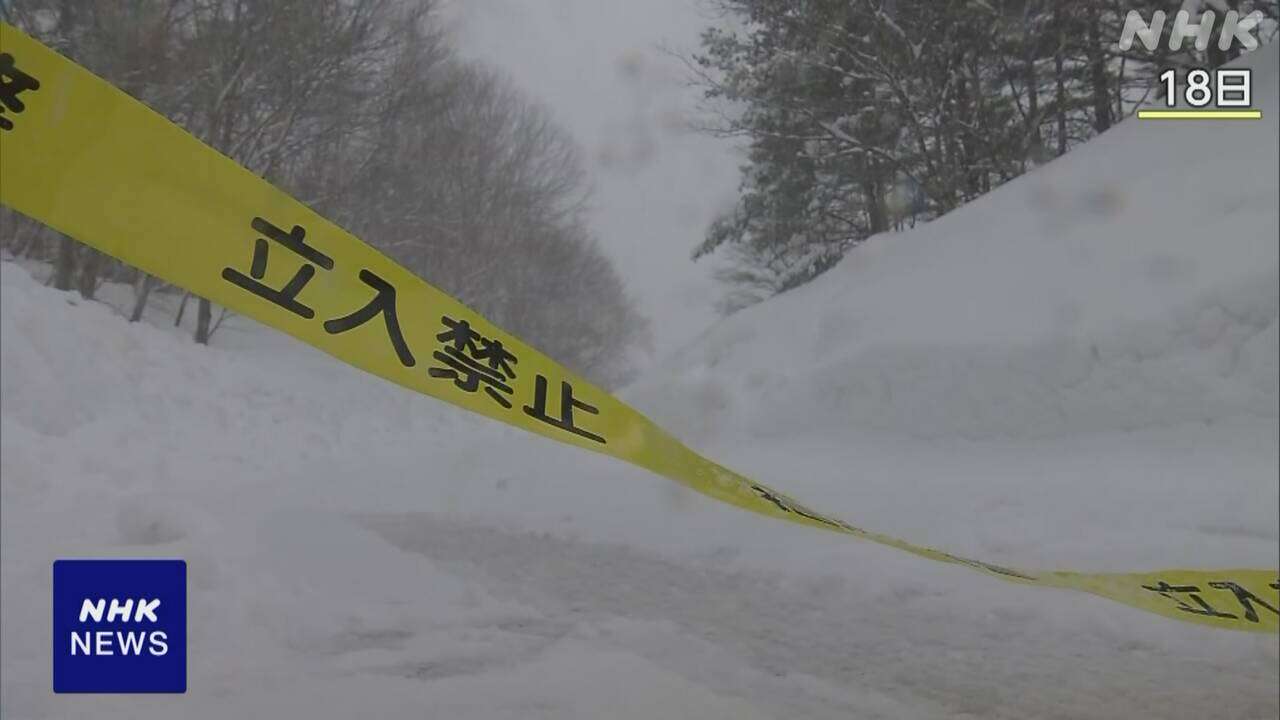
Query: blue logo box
x=120, y=626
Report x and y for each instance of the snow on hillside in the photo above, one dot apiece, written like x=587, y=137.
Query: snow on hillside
x=1109, y=320
x=1077, y=371
x=1130, y=283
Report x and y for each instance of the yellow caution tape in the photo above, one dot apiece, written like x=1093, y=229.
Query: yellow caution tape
x=89, y=161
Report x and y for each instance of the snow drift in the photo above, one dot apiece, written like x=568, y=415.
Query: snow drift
x=1127, y=284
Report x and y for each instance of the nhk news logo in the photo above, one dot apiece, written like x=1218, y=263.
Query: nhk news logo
x=120, y=626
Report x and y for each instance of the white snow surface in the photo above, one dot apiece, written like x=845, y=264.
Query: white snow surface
x=1078, y=371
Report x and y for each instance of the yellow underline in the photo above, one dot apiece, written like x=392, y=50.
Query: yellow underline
x=1199, y=114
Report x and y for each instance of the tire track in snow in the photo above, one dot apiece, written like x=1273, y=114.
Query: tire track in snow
x=1005, y=664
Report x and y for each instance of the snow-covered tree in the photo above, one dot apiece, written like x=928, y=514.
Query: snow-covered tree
x=860, y=113
x=362, y=109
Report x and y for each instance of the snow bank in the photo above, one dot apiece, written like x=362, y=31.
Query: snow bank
x=1130, y=283
x=127, y=440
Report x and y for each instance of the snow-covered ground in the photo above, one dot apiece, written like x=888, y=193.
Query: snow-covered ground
x=1078, y=371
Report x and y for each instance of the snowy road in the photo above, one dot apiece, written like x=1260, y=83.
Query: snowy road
x=1083, y=390
x=345, y=558
x=813, y=650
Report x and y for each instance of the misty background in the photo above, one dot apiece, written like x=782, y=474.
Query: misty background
x=607, y=70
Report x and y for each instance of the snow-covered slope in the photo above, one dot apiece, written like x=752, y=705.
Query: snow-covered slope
x=1130, y=283
x=1078, y=371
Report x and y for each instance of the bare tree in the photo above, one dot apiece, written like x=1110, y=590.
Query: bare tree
x=361, y=108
